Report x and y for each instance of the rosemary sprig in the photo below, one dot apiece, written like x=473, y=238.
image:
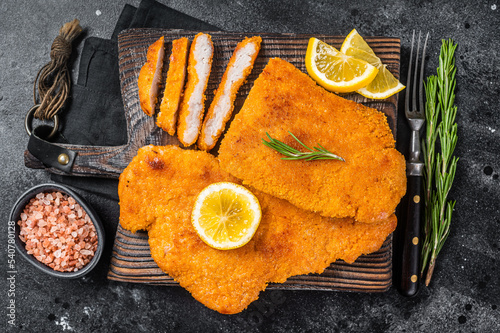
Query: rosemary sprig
x=428, y=149
x=440, y=166
x=319, y=153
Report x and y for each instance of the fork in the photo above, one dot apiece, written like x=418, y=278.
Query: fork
x=414, y=171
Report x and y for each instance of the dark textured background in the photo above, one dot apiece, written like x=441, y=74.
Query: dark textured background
x=465, y=293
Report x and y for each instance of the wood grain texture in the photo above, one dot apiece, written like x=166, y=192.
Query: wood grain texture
x=131, y=260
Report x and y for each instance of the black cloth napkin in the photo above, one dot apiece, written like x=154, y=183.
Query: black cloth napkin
x=94, y=114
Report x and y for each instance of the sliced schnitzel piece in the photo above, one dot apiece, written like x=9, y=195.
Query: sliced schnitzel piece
x=367, y=186
x=150, y=76
x=157, y=192
x=239, y=67
x=193, y=102
x=167, y=117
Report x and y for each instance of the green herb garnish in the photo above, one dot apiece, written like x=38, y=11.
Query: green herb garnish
x=319, y=153
x=440, y=166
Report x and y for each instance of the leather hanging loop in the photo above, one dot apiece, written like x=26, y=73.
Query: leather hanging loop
x=53, y=84
x=48, y=153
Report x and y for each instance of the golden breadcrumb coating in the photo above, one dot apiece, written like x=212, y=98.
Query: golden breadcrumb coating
x=157, y=192
x=239, y=67
x=167, y=117
x=367, y=186
x=149, y=77
x=192, y=108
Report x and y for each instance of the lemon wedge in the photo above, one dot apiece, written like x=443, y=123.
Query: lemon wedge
x=385, y=84
x=226, y=215
x=336, y=71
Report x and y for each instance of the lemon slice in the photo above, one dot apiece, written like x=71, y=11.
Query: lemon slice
x=385, y=84
x=226, y=215
x=336, y=71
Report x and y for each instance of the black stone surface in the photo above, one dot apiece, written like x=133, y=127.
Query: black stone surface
x=464, y=295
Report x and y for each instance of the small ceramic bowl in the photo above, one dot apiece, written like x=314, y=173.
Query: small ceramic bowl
x=15, y=215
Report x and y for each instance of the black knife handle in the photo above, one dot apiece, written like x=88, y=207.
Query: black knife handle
x=410, y=274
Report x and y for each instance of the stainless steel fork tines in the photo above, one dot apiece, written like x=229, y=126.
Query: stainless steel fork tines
x=415, y=113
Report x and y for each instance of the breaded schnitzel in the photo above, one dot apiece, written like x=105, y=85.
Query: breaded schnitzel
x=158, y=175
x=239, y=67
x=192, y=108
x=150, y=76
x=367, y=186
x=174, y=84
x=157, y=192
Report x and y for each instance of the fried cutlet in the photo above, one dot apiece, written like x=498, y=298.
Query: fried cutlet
x=192, y=108
x=157, y=192
x=239, y=67
x=167, y=117
x=367, y=186
x=158, y=175
x=149, y=77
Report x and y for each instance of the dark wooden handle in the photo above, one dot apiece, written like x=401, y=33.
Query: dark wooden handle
x=410, y=275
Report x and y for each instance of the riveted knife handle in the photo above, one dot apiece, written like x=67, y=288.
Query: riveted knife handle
x=410, y=274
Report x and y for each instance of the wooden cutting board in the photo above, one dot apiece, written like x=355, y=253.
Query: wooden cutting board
x=131, y=260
